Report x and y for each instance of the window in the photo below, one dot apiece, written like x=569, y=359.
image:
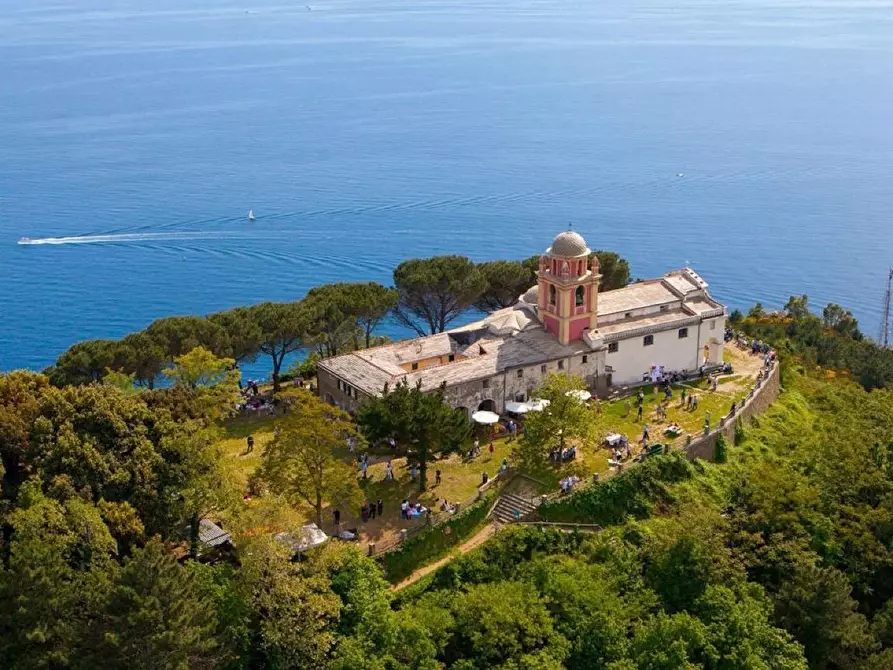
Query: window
x=612, y=347
x=628, y=315
x=543, y=369
x=520, y=397
x=585, y=359
x=551, y=294
x=340, y=385
x=713, y=325
x=486, y=383
x=664, y=308
x=520, y=374
x=415, y=366
x=648, y=340
x=561, y=365
x=452, y=358
x=683, y=333
x=578, y=296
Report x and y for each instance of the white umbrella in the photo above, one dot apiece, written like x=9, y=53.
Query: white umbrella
x=484, y=417
x=580, y=395
x=517, y=407
x=538, y=405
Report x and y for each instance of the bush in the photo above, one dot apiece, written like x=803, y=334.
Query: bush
x=631, y=493
x=436, y=541
x=721, y=455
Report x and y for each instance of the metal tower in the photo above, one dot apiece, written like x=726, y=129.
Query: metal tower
x=886, y=331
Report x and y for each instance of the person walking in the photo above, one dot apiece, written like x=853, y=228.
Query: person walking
x=683, y=397
x=372, y=510
x=627, y=406
x=364, y=466
x=380, y=506
x=639, y=413
x=250, y=444
x=437, y=478
x=336, y=516
x=388, y=472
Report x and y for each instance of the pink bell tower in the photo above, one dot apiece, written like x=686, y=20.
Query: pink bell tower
x=568, y=288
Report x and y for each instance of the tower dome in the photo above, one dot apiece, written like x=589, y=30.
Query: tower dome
x=568, y=245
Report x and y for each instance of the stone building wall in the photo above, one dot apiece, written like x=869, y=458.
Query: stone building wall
x=757, y=402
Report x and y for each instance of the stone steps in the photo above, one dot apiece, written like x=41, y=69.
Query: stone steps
x=509, y=503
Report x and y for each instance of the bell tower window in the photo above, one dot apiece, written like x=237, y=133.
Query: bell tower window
x=578, y=296
x=551, y=294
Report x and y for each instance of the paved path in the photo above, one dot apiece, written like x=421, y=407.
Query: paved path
x=472, y=543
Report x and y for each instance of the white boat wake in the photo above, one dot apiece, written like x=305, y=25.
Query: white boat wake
x=122, y=237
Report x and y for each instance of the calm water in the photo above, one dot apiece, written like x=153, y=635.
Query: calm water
x=362, y=133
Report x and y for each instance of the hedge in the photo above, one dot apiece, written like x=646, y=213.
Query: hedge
x=434, y=542
x=633, y=492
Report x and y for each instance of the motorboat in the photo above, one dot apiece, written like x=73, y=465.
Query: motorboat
x=24, y=240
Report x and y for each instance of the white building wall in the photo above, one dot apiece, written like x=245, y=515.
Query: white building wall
x=713, y=331
x=633, y=359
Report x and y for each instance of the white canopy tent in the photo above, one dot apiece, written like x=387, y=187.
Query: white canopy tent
x=538, y=405
x=309, y=537
x=485, y=417
x=517, y=407
x=580, y=395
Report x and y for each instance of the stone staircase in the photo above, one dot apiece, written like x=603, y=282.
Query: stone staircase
x=509, y=503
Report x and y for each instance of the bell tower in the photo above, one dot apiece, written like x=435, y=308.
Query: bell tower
x=568, y=288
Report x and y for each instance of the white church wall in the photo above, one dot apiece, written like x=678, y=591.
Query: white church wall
x=633, y=359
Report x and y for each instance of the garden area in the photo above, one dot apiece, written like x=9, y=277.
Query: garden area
x=460, y=475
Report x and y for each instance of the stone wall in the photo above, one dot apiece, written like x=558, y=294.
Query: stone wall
x=761, y=396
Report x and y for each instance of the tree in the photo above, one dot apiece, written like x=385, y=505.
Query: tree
x=613, y=268
x=120, y=380
x=797, y=307
x=283, y=326
x=300, y=462
x=199, y=367
x=565, y=418
x=505, y=624
x=840, y=319
x=55, y=580
x=756, y=312
x=84, y=363
x=369, y=303
x=243, y=332
x=156, y=616
x=736, y=317
x=293, y=609
x=332, y=323
x=143, y=356
x=178, y=335
x=421, y=421
x=506, y=282
x=433, y=292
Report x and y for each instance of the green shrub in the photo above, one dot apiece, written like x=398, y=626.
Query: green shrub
x=721, y=455
x=434, y=542
x=630, y=493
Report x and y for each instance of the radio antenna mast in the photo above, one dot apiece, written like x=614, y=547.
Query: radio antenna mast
x=886, y=330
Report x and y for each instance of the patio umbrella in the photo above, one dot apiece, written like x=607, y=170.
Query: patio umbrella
x=486, y=418
x=517, y=407
x=538, y=405
x=580, y=395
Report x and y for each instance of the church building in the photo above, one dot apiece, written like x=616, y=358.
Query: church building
x=563, y=324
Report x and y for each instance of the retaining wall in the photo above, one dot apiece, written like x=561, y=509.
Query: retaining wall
x=761, y=396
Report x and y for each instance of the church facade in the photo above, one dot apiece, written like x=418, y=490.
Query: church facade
x=562, y=324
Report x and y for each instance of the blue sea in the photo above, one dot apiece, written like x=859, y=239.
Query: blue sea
x=748, y=138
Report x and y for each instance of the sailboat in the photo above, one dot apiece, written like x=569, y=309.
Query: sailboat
x=251, y=215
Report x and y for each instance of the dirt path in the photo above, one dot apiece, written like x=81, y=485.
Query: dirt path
x=473, y=542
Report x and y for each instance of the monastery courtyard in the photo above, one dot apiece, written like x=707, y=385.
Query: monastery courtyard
x=461, y=477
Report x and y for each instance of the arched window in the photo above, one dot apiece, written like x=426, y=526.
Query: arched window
x=578, y=296
x=551, y=294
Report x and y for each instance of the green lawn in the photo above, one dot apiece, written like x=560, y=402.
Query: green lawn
x=460, y=477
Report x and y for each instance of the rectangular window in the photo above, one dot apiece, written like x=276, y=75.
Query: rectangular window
x=664, y=308
x=612, y=347
x=683, y=333
x=452, y=358
x=486, y=383
x=520, y=374
x=415, y=366
x=543, y=369
x=648, y=340
x=628, y=315
x=585, y=359
x=561, y=365
x=520, y=397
